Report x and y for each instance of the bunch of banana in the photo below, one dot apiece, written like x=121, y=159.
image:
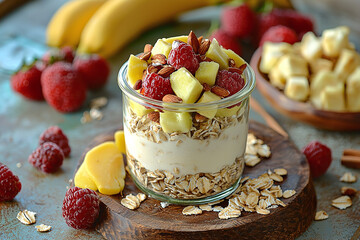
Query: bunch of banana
x=103, y=27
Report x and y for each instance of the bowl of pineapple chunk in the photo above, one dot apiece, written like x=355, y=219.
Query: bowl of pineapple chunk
x=316, y=81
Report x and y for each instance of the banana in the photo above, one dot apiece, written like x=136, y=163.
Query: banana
x=65, y=27
x=119, y=21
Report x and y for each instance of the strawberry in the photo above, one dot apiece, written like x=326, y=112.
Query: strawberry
x=64, y=88
x=319, y=158
x=226, y=40
x=266, y=21
x=279, y=34
x=94, y=69
x=27, y=81
x=63, y=54
x=238, y=21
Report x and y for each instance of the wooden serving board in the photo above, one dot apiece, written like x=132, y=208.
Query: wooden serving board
x=150, y=221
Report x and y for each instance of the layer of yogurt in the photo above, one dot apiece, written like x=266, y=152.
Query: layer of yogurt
x=190, y=156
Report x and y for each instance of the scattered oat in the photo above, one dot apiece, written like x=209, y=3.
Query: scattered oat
x=98, y=102
x=191, y=210
x=251, y=160
x=289, y=193
x=348, y=178
x=321, y=215
x=348, y=191
x=281, y=203
x=217, y=208
x=141, y=197
x=96, y=114
x=164, y=204
x=342, y=202
x=43, y=228
x=86, y=118
x=280, y=171
x=206, y=207
x=262, y=211
x=19, y=165
x=229, y=212
x=26, y=217
x=276, y=177
x=132, y=202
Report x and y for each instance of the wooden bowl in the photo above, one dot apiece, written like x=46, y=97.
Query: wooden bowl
x=301, y=111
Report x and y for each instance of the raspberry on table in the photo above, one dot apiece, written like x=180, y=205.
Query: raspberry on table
x=55, y=135
x=156, y=87
x=10, y=184
x=80, y=207
x=279, y=34
x=48, y=157
x=182, y=55
x=226, y=40
x=232, y=81
x=319, y=158
x=238, y=21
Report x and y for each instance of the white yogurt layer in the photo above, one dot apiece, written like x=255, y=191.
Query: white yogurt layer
x=191, y=156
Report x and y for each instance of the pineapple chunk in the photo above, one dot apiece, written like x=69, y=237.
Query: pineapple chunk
x=135, y=69
x=334, y=40
x=231, y=54
x=227, y=112
x=311, y=47
x=276, y=78
x=318, y=83
x=178, y=38
x=139, y=109
x=271, y=54
x=216, y=54
x=185, y=85
x=297, y=88
x=161, y=47
x=209, y=97
x=346, y=63
x=333, y=98
x=320, y=64
x=353, y=91
x=207, y=72
x=292, y=65
x=175, y=122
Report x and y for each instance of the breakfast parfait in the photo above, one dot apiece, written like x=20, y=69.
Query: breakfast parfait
x=185, y=111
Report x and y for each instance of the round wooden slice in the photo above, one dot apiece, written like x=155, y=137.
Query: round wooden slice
x=151, y=221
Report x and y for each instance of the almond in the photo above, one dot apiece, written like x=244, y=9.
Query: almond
x=200, y=118
x=172, y=98
x=160, y=58
x=205, y=59
x=204, y=46
x=221, y=92
x=200, y=39
x=148, y=48
x=154, y=116
x=152, y=69
x=166, y=71
x=231, y=62
x=145, y=56
x=138, y=84
x=193, y=42
x=206, y=87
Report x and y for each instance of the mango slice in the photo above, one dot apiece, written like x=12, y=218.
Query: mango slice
x=182, y=38
x=185, y=85
x=120, y=141
x=161, y=47
x=209, y=97
x=231, y=54
x=105, y=166
x=83, y=180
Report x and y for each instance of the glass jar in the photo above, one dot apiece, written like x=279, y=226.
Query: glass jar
x=200, y=163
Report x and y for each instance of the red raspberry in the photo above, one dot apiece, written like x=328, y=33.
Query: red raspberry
x=10, y=184
x=27, y=82
x=80, y=207
x=226, y=40
x=319, y=158
x=182, y=55
x=238, y=21
x=63, y=87
x=55, y=135
x=55, y=55
x=48, y=157
x=156, y=87
x=94, y=69
x=231, y=81
x=279, y=34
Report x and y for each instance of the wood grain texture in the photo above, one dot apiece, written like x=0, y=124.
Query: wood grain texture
x=150, y=221
x=300, y=111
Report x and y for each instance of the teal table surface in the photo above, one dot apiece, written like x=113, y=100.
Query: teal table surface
x=22, y=121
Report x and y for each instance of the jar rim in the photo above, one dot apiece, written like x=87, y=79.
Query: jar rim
x=244, y=93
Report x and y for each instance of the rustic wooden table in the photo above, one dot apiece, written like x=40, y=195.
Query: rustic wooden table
x=21, y=123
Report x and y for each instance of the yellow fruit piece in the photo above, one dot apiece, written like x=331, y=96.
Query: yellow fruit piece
x=209, y=97
x=104, y=164
x=207, y=72
x=83, y=180
x=120, y=141
x=227, y=112
x=333, y=98
x=177, y=38
x=161, y=47
x=231, y=54
x=135, y=69
x=139, y=109
x=185, y=85
x=353, y=90
x=216, y=54
x=175, y=122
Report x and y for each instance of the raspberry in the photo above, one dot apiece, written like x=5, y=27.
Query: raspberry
x=231, y=81
x=80, y=207
x=48, y=157
x=55, y=135
x=156, y=87
x=182, y=55
x=319, y=158
x=279, y=34
x=64, y=88
x=94, y=69
x=238, y=21
x=226, y=40
x=27, y=82
x=10, y=184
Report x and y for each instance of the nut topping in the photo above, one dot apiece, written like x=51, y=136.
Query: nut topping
x=159, y=58
x=166, y=71
x=148, y=48
x=172, y=98
x=204, y=46
x=145, y=56
x=138, y=84
x=154, y=116
x=193, y=42
x=221, y=92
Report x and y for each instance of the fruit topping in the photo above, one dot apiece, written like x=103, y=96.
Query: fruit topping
x=156, y=87
x=238, y=21
x=319, y=158
x=48, y=157
x=182, y=55
x=231, y=81
x=216, y=53
x=10, y=184
x=55, y=135
x=279, y=34
x=226, y=40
